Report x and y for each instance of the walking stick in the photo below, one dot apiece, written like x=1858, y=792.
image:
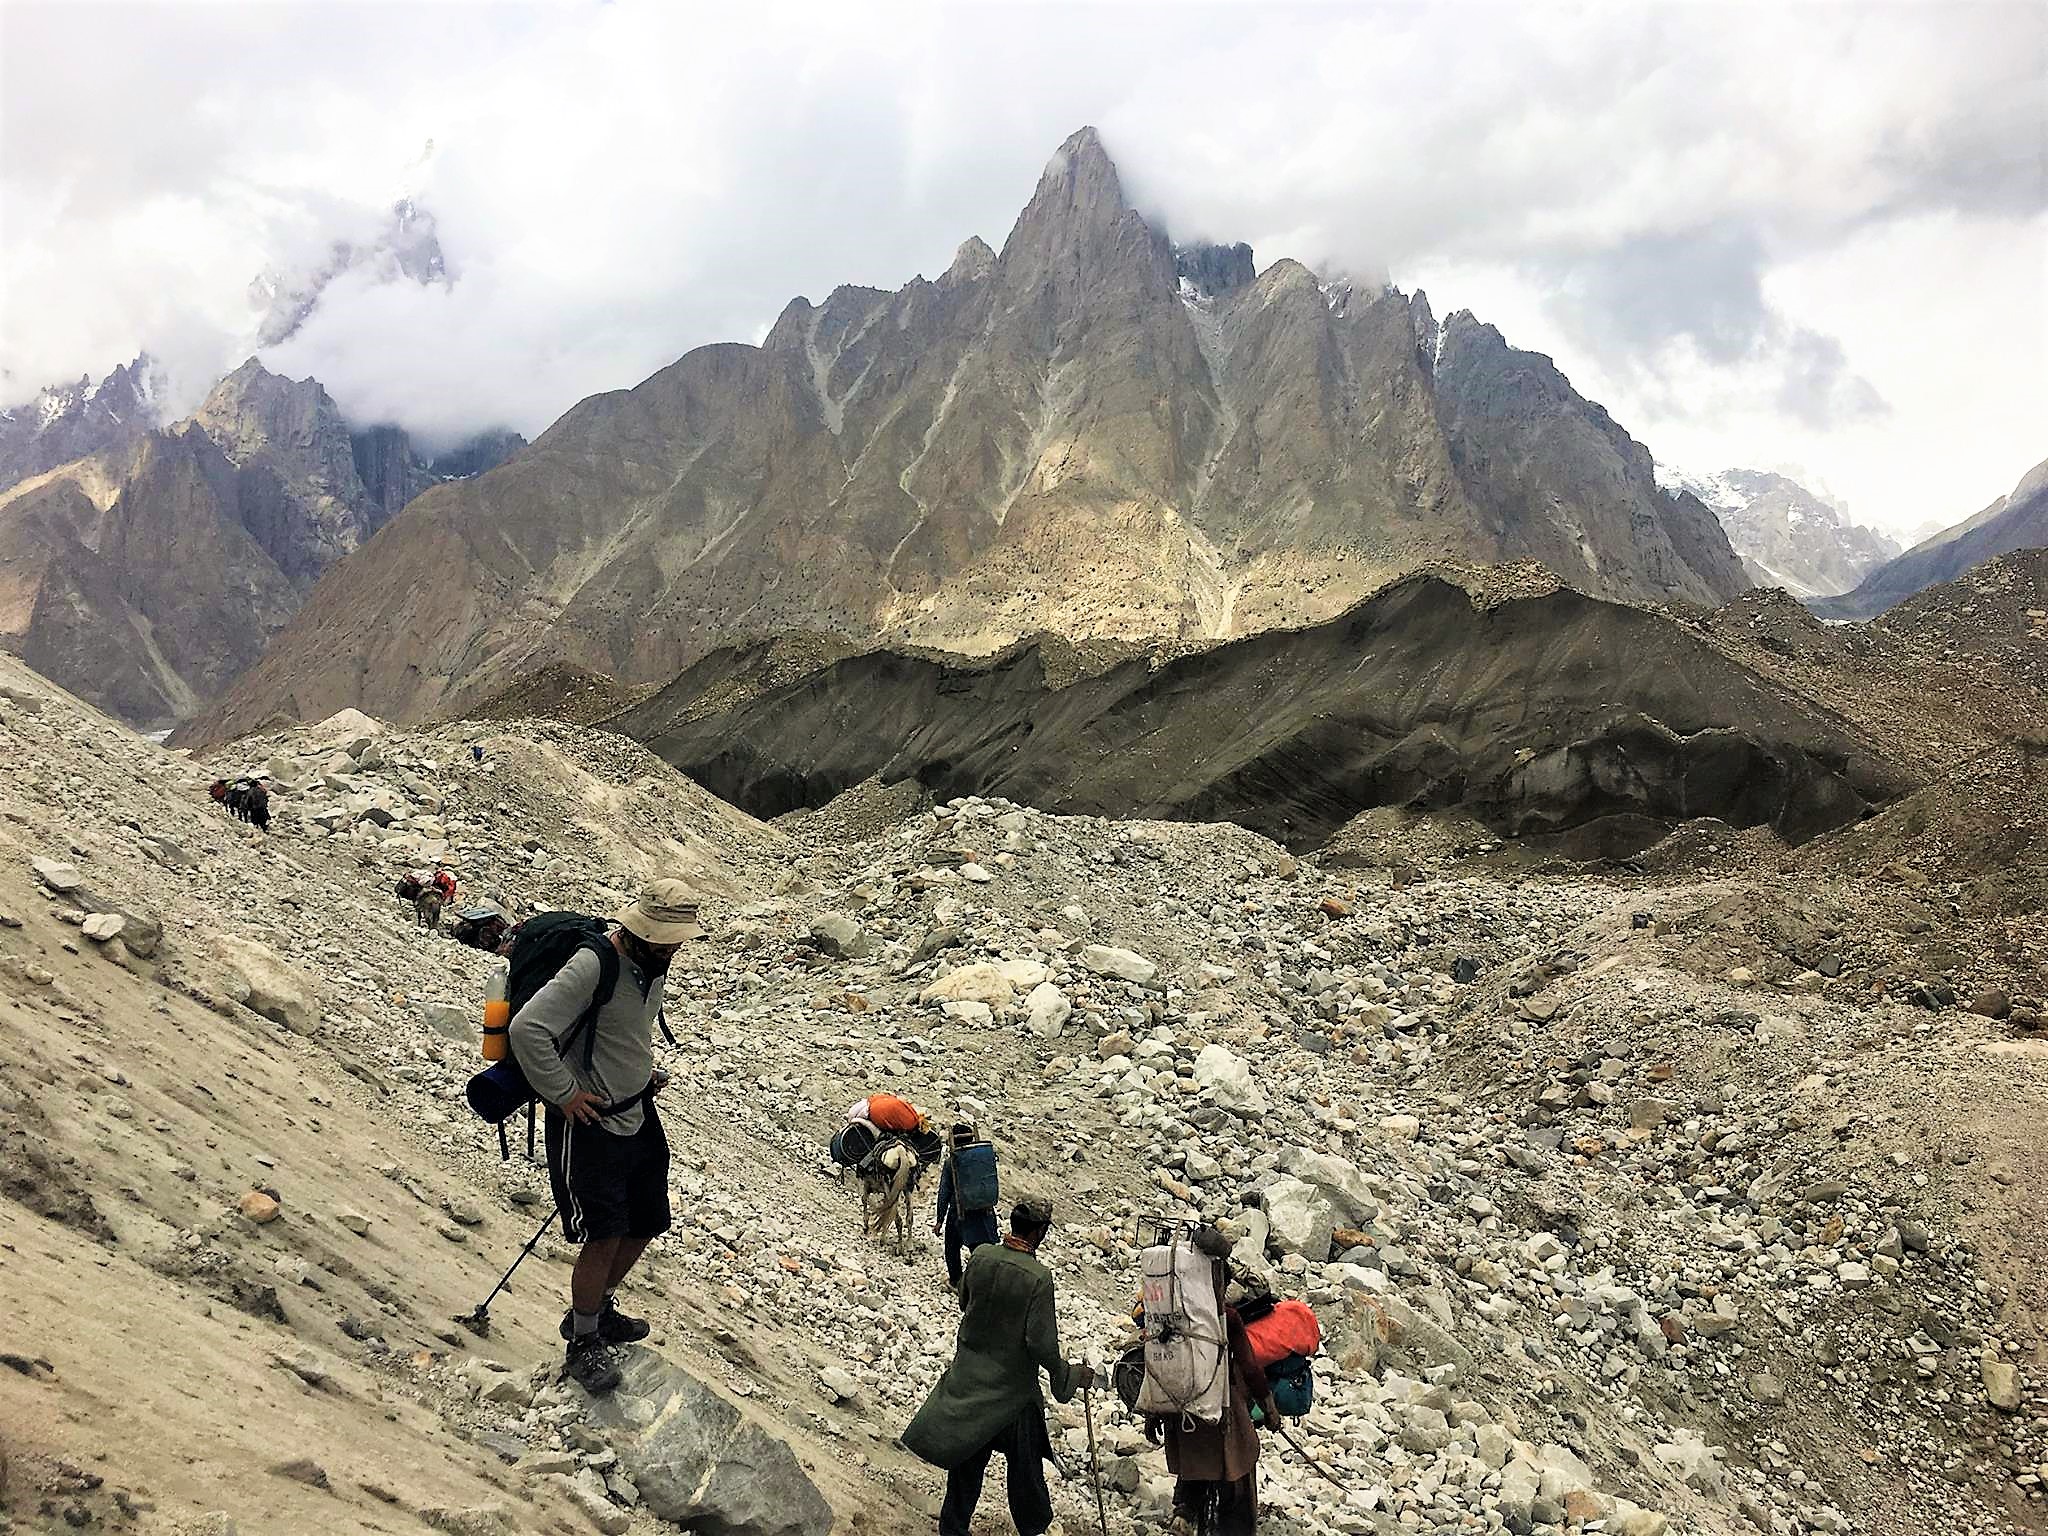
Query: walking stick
x=1094, y=1461
x=479, y=1321
x=1314, y=1466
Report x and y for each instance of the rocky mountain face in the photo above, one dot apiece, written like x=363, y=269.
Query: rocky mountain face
x=303, y=501
x=151, y=598
x=1787, y=536
x=148, y=575
x=393, y=470
x=1559, y=481
x=69, y=421
x=2017, y=520
x=1088, y=432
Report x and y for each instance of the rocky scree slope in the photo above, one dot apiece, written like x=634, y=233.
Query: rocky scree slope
x=1670, y=1224
x=1548, y=712
x=1993, y=615
x=151, y=573
x=1934, y=694
x=2017, y=520
x=1088, y=433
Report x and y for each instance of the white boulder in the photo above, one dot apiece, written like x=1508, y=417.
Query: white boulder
x=977, y=983
x=1046, y=1011
x=1104, y=960
x=1228, y=1078
x=259, y=978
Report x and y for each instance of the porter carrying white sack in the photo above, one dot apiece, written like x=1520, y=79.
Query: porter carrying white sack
x=1187, y=1352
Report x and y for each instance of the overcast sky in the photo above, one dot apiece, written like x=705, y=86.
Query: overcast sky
x=1809, y=236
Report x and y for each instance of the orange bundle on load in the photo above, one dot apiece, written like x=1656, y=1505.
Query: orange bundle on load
x=892, y=1113
x=1289, y=1329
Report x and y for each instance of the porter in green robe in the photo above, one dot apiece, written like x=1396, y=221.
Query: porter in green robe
x=1007, y=1336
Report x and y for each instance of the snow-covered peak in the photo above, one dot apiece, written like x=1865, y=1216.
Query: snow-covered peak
x=69, y=421
x=406, y=248
x=58, y=401
x=1789, y=535
x=1713, y=489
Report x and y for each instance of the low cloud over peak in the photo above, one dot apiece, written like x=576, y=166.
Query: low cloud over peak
x=1746, y=240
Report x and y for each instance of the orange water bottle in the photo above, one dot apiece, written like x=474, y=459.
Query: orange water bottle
x=497, y=1012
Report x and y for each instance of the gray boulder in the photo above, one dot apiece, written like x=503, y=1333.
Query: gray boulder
x=839, y=936
x=1299, y=1218
x=697, y=1461
x=1340, y=1183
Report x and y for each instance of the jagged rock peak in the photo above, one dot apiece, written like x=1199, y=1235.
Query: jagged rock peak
x=1083, y=161
x=1463, y=325
x=1212, y=269
x=252, y=380
x=1287, y=272
x=972, y=262
x=1428, y=334
x=70, y=421
x=791, y=327
x=1079, y=188
x=252, y=407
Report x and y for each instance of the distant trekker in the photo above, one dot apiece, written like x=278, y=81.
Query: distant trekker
x=989, y=1402
x=966, y=1218
x=246, y=799
x=607, y=1156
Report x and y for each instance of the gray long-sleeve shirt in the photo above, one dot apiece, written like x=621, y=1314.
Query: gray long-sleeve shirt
x=622, y=1059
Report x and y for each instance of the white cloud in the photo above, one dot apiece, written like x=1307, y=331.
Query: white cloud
x=1815, y=235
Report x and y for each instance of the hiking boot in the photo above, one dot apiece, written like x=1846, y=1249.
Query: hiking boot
x=613, y=1326
x=592, y=1365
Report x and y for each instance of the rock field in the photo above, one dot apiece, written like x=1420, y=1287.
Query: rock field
x=1706, y=1199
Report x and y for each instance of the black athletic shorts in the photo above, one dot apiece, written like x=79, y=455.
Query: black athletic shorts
x=605, y=1185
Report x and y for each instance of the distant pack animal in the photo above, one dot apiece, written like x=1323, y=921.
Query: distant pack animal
x=887, y=1176
x=426, y=907
x=480, y=928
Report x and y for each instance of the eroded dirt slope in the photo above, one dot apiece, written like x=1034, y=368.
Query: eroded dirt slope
x=1535, y=713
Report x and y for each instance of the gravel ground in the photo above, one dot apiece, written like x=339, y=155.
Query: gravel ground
x=1702, y=1199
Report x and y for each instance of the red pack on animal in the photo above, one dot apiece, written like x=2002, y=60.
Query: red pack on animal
x=1289, y=1329
x=892, y=1113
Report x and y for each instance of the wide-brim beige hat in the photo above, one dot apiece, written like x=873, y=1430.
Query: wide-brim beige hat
x=665, y=912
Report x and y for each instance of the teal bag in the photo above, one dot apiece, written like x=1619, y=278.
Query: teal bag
x=1294, y=1385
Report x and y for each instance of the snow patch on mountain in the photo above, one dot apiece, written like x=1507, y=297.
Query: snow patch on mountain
x=70, y=421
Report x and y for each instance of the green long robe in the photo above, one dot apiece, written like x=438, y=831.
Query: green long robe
x=1007, y=1335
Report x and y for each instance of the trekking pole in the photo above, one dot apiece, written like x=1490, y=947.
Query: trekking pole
x=1302, y=1451
x=1094, y=1460
x=479, y=1321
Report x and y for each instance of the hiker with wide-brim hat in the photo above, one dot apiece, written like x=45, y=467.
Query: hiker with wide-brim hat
x=607, y=1156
